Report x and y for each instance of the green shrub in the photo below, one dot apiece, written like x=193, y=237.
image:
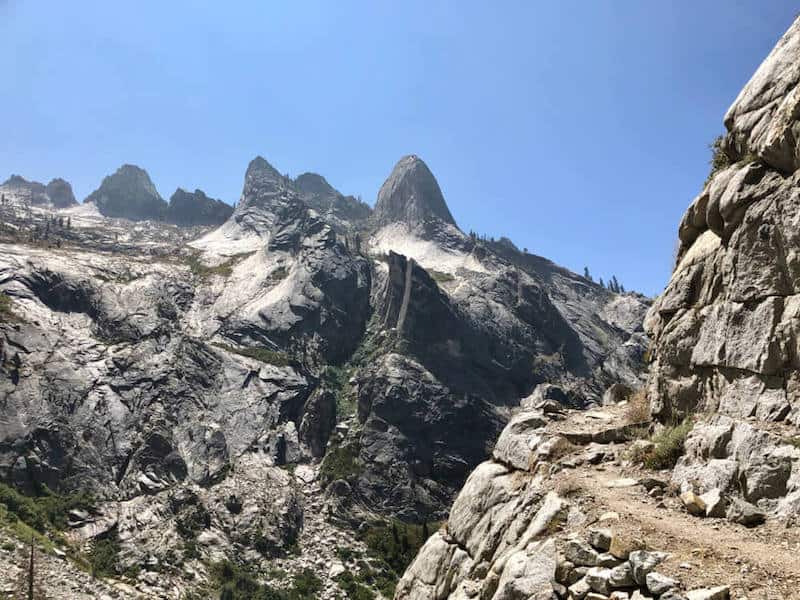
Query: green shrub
x=237, y=583
x=668, y=446
x=440, y=277
x=353, y=588
x=7, y=314
x=104, y=555
x=201, y=270
x=393, y=545
x=265, y=355
x=305, y=585
x=340, y=462
x=336, y=379
x=719, y=160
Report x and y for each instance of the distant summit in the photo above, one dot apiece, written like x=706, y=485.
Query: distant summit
x=411, y=195
x=320, y=195
x=129, y=194
x=58, y=192
x=188, y=209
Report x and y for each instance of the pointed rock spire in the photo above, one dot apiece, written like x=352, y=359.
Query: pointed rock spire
x=411, y=195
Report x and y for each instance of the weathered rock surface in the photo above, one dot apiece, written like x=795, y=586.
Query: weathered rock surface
x=724, y=331
x=129, y=194
x=60, y=193
x=57, y=193
x=176, y=372
x=411, y=195
x=188, y=209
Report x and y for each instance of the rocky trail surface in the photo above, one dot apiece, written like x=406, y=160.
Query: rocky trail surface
x=554, y=479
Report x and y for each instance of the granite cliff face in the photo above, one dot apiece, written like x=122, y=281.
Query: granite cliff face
x=725, y=329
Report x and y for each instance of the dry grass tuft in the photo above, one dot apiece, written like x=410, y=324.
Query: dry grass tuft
x=638, y=408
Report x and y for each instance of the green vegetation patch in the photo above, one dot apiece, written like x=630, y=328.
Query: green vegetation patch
x=45, y=512
x=337, y=380
x=392, y=547
x=265, y=355
x=668, y=447
x=340, y=462
x=440, y=277
x=103, y=558
x=235, y=582
x=7, y=314
x=203, y=271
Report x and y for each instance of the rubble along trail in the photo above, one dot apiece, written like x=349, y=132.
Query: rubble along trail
x=757, y=563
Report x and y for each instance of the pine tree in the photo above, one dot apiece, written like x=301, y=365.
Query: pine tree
x=586, y=274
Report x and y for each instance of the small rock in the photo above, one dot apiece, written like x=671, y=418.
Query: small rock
x=643, y=562
x=715, y=503
x=622, y=576
x=693, y=503
x=607, y=560
x=619, y=596
x=596, y=596
x=745, y=513
x=717, y=593
x=598, y=579
x=580, y=553
x=579, y=589
x=600, y=539
x=608, y=516
x=651, y=483
x=659, y=584
x=622, y=545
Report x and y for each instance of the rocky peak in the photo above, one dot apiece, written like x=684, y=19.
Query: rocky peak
x=320, y=195
x=261, y=181
x=34, y=189
x=60, y=193
x=313, y=183
x=195, y=208
x=129, y=193
x=411, y=195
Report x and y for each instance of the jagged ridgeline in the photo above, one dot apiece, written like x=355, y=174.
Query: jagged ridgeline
x=281, y=398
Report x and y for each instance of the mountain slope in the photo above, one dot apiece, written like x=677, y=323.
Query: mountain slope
x=181, y=374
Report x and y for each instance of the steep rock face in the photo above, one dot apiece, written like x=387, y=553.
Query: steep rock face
x=461, y=330
x=168, y=382
x=129, y=194
x=188, y=209
x=60, y=193
x=411, y=195
x=344, y=212
x=725, y=329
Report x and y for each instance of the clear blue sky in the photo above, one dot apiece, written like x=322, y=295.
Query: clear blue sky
x=578, y=128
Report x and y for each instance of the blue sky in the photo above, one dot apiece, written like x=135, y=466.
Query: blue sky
x=578, y=128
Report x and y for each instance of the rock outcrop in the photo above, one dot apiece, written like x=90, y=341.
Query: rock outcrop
x=57, y=193
x=343, y=212
x=725, y=333
x=129, y=194
x=190, y=209
x=411, y=195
